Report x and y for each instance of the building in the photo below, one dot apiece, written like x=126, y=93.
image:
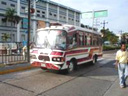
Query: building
x=46, y=11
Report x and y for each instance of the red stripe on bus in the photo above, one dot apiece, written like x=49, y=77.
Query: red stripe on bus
x=76, y=51
x=83, y=59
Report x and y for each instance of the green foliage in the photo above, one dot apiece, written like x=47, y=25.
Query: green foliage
x=10, y=16
x=109, y=36
x=5, y=37
x=127, y=45
x=110, y=47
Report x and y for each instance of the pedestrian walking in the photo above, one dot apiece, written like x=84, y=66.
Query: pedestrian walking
x=122, y=65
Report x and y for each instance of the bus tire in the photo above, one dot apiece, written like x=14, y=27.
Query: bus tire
x=72, y=66
x=94, y=59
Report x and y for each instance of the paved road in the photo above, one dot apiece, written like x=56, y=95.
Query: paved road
x=100, y=79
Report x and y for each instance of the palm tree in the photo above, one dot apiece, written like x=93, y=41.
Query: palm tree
x=11, y=17
x=5, y=37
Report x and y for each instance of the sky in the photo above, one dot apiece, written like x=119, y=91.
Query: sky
x=117, y=18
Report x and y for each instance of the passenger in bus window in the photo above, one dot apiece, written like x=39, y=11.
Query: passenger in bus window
x=63, y=41
x=85, y=40
x=74, y=43
x=88, y=40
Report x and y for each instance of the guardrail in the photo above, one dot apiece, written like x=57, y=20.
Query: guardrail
x=11, y=53
x=12, y=58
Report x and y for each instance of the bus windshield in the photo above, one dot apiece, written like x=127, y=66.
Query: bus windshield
x=53, y=39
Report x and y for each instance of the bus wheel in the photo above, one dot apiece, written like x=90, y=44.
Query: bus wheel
x=72, y=66
x=94, y=59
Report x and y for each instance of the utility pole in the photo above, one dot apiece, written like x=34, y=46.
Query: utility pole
x=104, y=23
x=28, y=39
x=121, y=33
x=34, y=21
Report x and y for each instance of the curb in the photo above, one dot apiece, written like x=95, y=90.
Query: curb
x=16, y=69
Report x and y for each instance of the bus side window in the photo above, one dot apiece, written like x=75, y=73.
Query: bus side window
x=81, y=39
x=88, y=40
x=91, y=42
x=95, y=38
x=72, y=41
x=85, y=40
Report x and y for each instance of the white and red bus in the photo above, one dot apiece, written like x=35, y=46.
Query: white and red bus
x=64, y=47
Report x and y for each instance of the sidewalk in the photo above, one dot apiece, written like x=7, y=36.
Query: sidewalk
x=115, y=90
x=14, y=68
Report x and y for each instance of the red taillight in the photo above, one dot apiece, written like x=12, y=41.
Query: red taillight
x=35, y=51
x=56, y=53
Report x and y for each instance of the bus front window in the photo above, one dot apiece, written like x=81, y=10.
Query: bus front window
x=54, y=39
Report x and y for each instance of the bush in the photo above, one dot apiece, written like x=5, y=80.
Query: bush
x=110, y=47
x=127, y=45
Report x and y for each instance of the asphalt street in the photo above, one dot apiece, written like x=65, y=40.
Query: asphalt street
x=100, y=79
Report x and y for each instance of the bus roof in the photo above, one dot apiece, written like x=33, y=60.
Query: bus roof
x=70, y=28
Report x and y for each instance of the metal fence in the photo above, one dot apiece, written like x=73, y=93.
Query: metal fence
x=12, y=53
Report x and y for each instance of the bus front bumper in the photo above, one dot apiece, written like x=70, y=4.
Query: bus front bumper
x=47, y=65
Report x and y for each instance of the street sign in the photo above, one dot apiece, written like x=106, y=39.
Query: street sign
x=101, y=13
x=95, y=14
x=25, y=23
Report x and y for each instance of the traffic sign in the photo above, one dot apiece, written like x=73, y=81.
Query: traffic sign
x=101, y=13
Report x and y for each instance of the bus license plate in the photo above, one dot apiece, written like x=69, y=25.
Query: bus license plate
x=43, y=65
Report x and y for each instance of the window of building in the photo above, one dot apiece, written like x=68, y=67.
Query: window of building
x=23, y=7
x=12, y=5
x=38, y=15
x=69, y=18
x=50, y=13
x=54, y=15
x=22, y=37
x=4, y=3
x=60, y=16
x=43, y=12
x=12, y=37
x=38, y=11
x=43, y=16
x=64, y=17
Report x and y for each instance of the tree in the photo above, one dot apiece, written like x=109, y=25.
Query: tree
x=109, y=36
x=5, y=37
x=124, y=37
x=11, y=17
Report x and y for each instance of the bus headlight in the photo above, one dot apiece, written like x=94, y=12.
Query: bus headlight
x=54, y=59
x=58, y=59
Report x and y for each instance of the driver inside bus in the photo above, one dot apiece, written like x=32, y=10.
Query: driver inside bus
x=74, y=42
x=63, y=41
